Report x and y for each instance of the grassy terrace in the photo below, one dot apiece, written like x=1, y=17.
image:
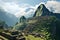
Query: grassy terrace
x=30, y=37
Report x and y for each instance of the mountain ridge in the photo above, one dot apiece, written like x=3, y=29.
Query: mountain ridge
x=10, y=19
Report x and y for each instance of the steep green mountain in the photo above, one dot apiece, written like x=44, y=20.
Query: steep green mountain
x=21, y=24
x=22, y=19
x=10, y=19
x=43, y=11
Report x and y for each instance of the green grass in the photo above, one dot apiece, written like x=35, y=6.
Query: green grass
x=30, y=37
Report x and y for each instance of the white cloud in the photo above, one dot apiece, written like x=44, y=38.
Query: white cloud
x=18, y=10
x=23, y=10
x=11, y=7
x=53, y=5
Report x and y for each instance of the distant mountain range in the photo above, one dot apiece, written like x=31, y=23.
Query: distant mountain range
x=10, y=19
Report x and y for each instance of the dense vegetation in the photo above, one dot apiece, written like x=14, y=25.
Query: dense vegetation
x=44, y=25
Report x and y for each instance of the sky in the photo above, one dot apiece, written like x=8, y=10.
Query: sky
x=28, y=7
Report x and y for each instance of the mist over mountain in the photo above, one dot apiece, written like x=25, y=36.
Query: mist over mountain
x=10, y=19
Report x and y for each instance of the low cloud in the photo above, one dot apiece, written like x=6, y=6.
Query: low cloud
x=18, y=9
x=26, y=10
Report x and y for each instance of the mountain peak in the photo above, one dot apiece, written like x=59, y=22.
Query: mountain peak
x=41, y=10
x=42, y=6
x=22, y=19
